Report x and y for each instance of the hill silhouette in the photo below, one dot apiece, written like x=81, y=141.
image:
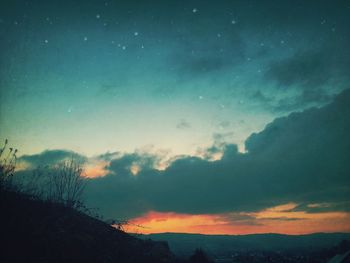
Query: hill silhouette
x=33, y=230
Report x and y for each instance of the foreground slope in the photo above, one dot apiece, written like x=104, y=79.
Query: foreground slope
x=36, y=231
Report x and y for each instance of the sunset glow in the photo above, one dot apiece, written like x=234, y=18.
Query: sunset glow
x=265, y=222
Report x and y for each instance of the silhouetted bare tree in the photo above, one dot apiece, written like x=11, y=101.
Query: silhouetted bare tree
x=66, y=183
x=8, y=160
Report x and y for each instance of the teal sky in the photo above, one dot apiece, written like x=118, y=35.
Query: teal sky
x=176, y=76
x=159, y=100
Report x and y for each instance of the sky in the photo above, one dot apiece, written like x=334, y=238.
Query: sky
x=227, y=117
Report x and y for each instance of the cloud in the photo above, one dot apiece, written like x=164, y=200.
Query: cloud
x=132, y=163
x=241, y=219
x=302, y=158
x=322, y=207
x=308, y=69
x=183, y=124
x=283, y=218
x=50, y=157
x=308, y=74
x=108, y=156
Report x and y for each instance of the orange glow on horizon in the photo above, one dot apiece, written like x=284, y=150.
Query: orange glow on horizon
x=273, y=220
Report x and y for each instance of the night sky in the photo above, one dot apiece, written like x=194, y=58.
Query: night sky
x=190, y=116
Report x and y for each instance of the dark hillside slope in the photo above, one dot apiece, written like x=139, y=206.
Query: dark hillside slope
x=37, y=231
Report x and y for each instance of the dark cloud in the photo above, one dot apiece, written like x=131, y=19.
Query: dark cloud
x=108, y=156
x=218, y=147
x=307, y=70
x=283, y=218
x=302, y=158
x=238, y=217
x=307, y=73
x=323, y=207
x=241, y=219
x=310, y=74
x=50, y=157
x=123, y=165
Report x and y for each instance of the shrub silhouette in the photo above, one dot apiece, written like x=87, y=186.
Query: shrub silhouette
x=65, y=183
x=8, y=160
x=61, y=183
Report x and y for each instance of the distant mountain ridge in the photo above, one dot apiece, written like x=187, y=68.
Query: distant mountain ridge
x=183, y=244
